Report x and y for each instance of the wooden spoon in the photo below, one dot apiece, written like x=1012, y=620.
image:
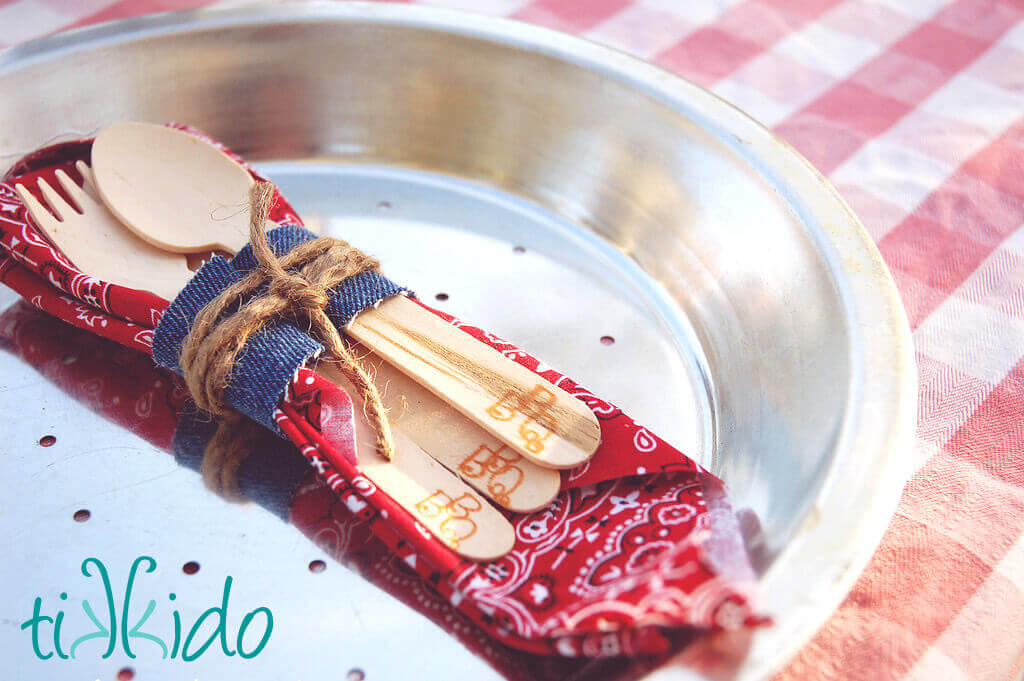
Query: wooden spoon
x=183, y=194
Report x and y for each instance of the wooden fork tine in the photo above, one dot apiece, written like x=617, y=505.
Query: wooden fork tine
x=78, y=196
x=61, y=208
x=88, y=183
x=39, y=213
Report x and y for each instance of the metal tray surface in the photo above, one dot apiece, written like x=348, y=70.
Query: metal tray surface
x=754, y=323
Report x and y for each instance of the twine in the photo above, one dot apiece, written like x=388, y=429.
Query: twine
x=236, y=437
x=296, y=288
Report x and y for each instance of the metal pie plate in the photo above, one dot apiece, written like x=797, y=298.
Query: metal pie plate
x=558, y=193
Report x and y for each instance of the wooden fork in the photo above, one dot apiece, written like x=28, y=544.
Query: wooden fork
x=103, y=248
x=442, y=503
x=170, y=189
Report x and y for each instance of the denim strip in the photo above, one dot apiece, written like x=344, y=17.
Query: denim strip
x=265, y=366
x=354, y=295
x=269, y=475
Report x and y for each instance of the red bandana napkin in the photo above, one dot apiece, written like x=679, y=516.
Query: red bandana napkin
x=124, y=387
x=639, y=539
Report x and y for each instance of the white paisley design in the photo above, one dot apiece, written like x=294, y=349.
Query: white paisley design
x=596, y=404
x=363, y=485
x=644, y=441
x=145, y=337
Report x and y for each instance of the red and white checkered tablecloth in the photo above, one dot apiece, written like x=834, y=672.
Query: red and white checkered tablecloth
x=915, y=110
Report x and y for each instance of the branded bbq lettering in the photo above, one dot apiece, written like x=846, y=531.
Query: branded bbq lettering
x=536, y=409
x=456, y=525
x=498, y=466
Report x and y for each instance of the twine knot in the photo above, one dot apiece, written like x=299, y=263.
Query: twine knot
x=305, y=297
x=296, y=287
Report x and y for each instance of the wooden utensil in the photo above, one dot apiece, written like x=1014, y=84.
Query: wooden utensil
x=439, y=500
x=96, y=241
x=452, y=511
x=172, y=189
x=479, y=458
x=185, y=195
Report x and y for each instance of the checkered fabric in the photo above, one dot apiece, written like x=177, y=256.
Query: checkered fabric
x=915, y=110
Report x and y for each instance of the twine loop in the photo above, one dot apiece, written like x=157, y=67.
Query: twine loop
x=295, y=287
x=300, y=291
x=235, y=439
